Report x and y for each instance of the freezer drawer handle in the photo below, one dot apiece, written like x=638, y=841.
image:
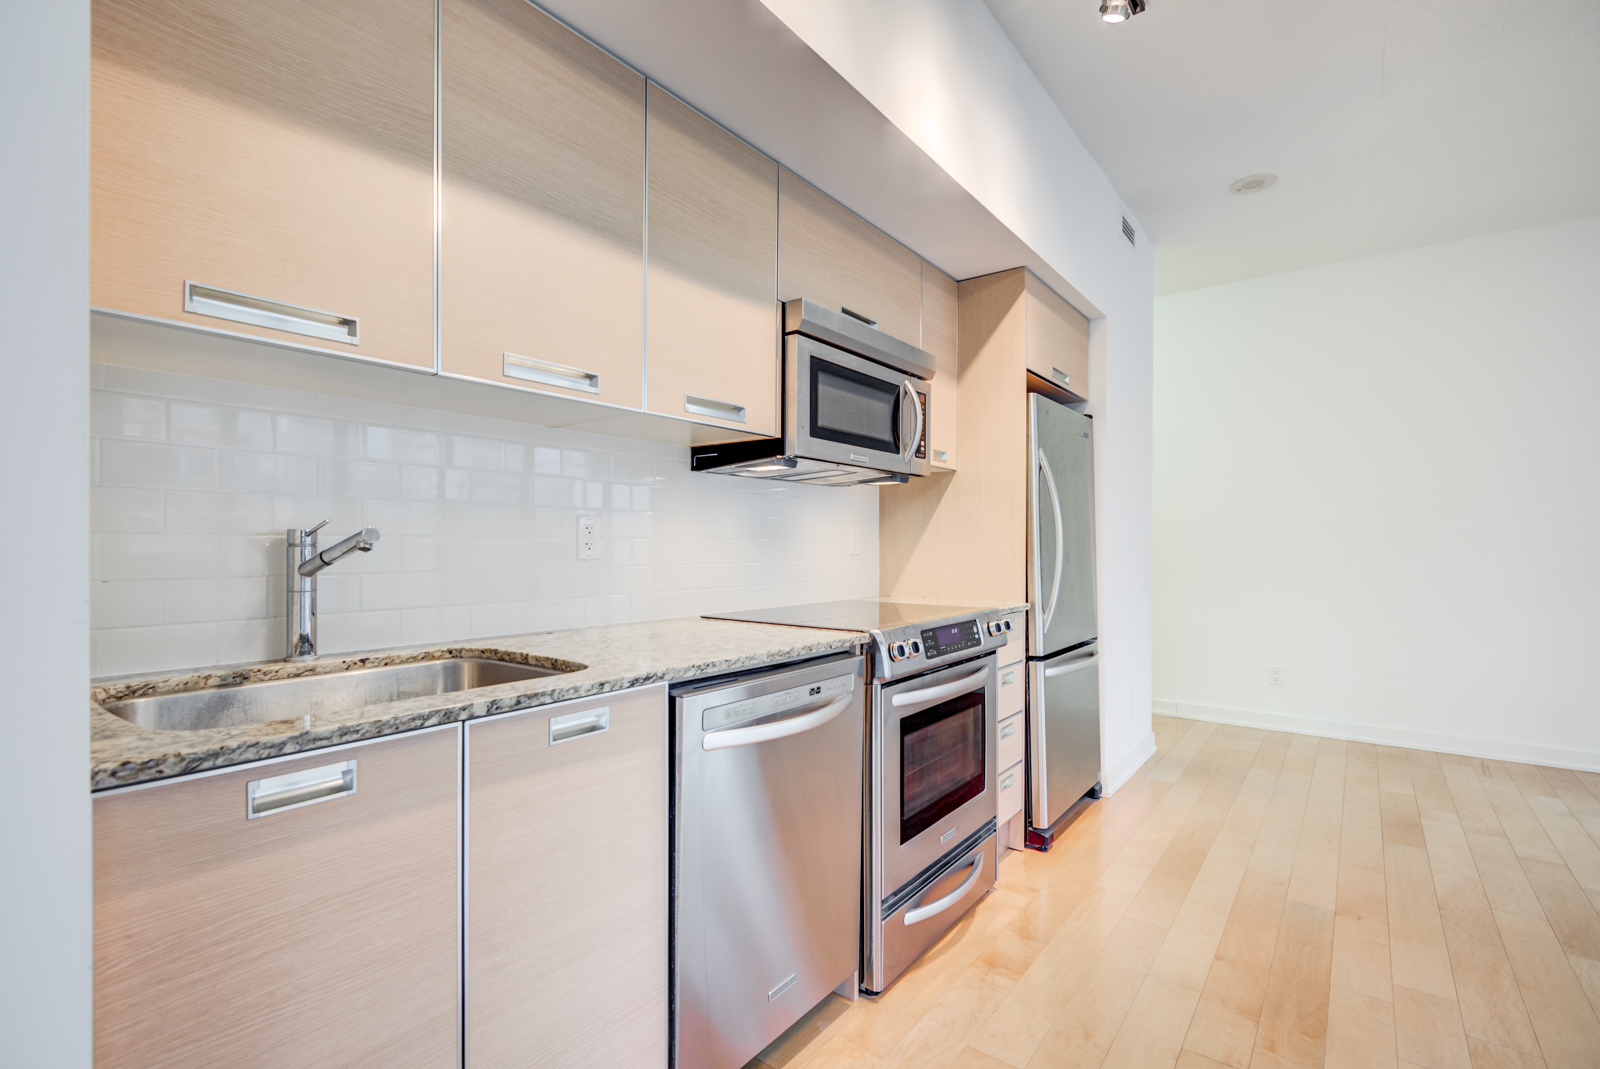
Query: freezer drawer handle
x=778, y=729
x=294, y=789
x=577, y=725
x=943, y=690
x=933, y=909
x=1075, y=666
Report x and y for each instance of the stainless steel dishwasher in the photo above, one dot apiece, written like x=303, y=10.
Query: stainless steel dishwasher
x=766, y=853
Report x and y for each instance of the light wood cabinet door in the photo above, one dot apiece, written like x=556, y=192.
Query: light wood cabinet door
x=941, y=341
x=318, y=936
x=282, y=151
x=542, y=233
x=1058, y=338
x=830, y=255
x=712, y=336
x=567, y=885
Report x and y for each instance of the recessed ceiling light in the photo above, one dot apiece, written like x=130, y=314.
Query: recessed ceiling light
x=1253, y=183
x=1120, y=10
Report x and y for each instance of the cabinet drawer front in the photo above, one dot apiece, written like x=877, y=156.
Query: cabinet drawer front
x=283, y=151
x=323, y=933
x=1009, y=751
x=542, y=234
x=1010, y=803
x=1013, y=690
x=1016, y=647
x=567, y=884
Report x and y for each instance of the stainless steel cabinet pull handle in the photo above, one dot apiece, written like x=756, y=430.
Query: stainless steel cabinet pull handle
x=577, y=725
x=778, y=729
x=1075, y=666
x=1007, y=678
x=706, y=406
x=294, y=789
x=550, y=374
x=1006, y=783
x=943, y=690
x=260, y=312
x=933, y=909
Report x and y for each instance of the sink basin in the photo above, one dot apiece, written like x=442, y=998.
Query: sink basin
x=327, y=692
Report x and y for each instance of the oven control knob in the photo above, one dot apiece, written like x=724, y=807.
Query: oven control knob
x=915, y=646
x=999, y=627
x=897, y=651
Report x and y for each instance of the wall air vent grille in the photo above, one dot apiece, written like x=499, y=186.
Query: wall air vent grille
x=1127, y=229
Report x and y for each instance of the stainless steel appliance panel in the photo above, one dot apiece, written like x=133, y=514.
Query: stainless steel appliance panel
x=921, y=813
x=916, y=923
x=844, y=409
x=767, y=854
x=1064, y=732
x=1061, y=527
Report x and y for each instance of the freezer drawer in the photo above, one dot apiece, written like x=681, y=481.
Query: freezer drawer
x=915, y=919
x=1064, y=727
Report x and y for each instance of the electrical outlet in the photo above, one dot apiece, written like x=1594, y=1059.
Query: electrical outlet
x=588, y=538
x=855, y=540
x=1275, y=675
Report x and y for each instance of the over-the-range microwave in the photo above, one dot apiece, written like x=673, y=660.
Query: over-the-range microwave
x=855, y=407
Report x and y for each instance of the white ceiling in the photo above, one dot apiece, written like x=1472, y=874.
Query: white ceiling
x=1389, y=123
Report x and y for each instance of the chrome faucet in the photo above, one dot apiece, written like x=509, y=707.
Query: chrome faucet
x=304, y=564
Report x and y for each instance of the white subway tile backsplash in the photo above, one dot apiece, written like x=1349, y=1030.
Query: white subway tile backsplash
x=196, y=479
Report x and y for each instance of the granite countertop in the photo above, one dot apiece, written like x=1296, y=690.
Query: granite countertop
x=613, y=658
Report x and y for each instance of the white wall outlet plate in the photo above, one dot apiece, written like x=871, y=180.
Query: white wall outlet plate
x=588, y=538
x=855, y=540
x=1275, y=675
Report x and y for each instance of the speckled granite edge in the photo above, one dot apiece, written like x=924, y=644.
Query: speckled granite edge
x=608, y=659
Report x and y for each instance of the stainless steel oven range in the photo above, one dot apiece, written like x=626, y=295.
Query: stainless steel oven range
x=931, y=795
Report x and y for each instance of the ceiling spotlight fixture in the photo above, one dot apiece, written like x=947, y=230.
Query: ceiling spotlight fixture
x=1253, y=183
x=1120, y=10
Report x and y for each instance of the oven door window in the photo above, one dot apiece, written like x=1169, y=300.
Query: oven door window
x=942, y=762
x=854, y=409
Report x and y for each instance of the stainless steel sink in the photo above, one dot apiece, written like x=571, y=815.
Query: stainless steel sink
x=327, y=692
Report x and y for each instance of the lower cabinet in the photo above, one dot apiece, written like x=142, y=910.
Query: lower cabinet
x=320, y=932
x=566, y=839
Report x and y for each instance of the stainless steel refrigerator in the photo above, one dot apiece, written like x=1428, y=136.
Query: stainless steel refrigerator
x=1063, y=628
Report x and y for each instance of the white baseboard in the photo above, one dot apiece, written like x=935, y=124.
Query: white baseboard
x=1121, y=770
x=1384, y=735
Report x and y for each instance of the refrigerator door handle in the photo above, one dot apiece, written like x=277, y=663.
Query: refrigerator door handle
x=1055, y=508
x=1073, y=666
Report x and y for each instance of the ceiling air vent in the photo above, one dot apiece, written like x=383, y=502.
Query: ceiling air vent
x=1127, y=229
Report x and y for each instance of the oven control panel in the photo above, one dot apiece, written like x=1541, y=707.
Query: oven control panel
x=951, y=638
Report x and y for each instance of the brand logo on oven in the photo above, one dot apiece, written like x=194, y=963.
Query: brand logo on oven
x=814, y=691
x=858, y=458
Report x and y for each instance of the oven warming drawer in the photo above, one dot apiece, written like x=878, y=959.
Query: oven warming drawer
x=915, y=917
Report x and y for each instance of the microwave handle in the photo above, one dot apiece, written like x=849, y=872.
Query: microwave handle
x=916, y=406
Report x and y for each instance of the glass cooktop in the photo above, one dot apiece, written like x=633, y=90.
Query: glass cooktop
x=863, y=615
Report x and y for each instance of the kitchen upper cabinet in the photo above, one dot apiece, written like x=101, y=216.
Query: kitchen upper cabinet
x=267, y=168
x=1057, y=338
x=940, y=340
x=830, y=255
x=567, y=885
x=542, y=247
x=322, y=934
x=713, y=233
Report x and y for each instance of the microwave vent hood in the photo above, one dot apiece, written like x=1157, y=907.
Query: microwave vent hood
x=765, y=458
x=855, y=335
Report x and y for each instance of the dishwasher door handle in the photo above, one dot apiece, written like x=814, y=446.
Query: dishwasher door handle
x=938, y=906
x=943, y=690
x=778, y=729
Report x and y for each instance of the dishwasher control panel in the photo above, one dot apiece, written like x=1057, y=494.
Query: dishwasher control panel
x=719, y=716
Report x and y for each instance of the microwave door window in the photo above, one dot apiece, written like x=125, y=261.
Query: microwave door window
x=941, y=762
x=852, y=408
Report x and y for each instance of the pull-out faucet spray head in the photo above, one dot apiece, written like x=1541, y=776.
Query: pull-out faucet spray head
x=362, y=541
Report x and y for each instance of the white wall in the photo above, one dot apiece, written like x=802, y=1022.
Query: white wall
x=196, y=477
x=944, y=72
x=45, y=880
x=1384, y=476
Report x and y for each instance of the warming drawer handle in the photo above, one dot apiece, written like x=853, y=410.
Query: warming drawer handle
x=778, y=729
x=943, y=690
x=263, y=796
x=933, y=909
x=1075, y=666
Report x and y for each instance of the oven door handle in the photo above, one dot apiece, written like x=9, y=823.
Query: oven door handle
x=778, y=729
x=916, y=406
x=943, y=690
x=938, y=906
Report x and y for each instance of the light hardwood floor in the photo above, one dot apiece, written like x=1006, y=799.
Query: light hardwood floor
x=1263, y=901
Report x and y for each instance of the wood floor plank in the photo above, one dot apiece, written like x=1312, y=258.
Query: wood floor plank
x=1570, y=912
x=1360, y=1032
x=1583, y=804
x=1294, y=1015
x=1563, y=1019
x=1588, y=973
x=1465, y=779
x=941, y=1034
x=1569, y=837
x=1083, y=1030
x=1362, y=967
x=1428, y=1030
x=1516, y=816
x=1361, y=907
x=1361, y=785
x=1489, y=1056
x=974, y=1059
x=1152, y=1033
x=1139, y=856
x=1173, y=762
x=1314, y=879
x=1417, y=948
x=1229, y=1013
x=1394, y=770
x=1504, y=879
x=1188, y=1059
